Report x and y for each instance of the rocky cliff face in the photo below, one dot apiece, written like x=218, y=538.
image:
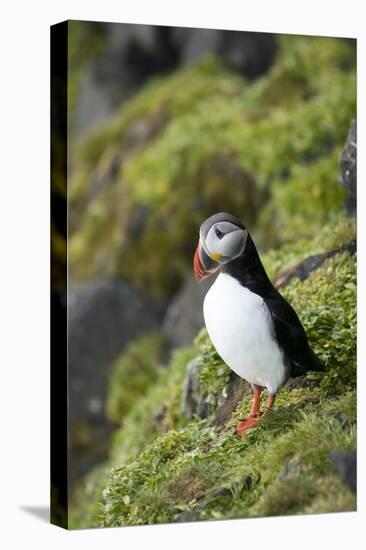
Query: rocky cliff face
x=176, y=456
x=204, y=140
x=103, y=317
x=127, y=56
x=348, y=163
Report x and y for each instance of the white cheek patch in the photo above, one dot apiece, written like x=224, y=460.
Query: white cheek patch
x=212, y=242
x=230, y=245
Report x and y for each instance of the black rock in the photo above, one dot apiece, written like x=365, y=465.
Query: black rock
x=184, y=517
x=348, y=163
x=191, y=395
x=292, y=468
x=221, y=492
x=250, y=53
x=192, y=402
x=346, y=465
x=160, y=414
x=103, y=316
x=193, y=44
x=245, y=484
x=132, y=54
x=343, y=422
x=184, y=316
x=236, y=487
x=303, y=269
x=233, y=393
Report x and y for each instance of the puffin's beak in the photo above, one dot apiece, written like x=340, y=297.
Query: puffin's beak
x=204, y=266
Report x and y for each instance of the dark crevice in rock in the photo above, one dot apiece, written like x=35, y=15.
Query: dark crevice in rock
x=292, y=468
x=348, y=164
x=346, y=465
x=246, y=483
x=343, y=422
x=134, y=54
x=303, y=269
x=103, y=317
x=233, y=393
x=191, y=396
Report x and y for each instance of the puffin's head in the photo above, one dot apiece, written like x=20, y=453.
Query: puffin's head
x=222, y=239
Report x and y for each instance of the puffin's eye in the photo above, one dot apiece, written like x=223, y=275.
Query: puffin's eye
x=219, y=234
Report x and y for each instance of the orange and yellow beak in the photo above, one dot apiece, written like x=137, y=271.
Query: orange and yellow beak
x=203, y=264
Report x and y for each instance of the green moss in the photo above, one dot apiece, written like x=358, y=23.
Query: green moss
x=336, y=234
x=132, y=374
x=215, y=142
x=154, y=413
x=211, y=141
x=213, y=374
x=308, y=199
x=326, y=305
x=268, y=146
x=163, y=465
x=148, y=417
x=330, y=322
x=153, y=489
x=86, y=508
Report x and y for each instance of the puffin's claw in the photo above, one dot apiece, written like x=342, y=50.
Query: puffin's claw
x=256, y=415
x=246, y=424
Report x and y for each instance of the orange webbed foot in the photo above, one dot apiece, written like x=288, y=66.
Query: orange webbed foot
x=246, y=424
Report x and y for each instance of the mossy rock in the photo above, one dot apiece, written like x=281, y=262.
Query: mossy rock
x=204, y=140
x=133, y=373
x=164, y=467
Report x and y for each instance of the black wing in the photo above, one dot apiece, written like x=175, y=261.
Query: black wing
x=291, y=336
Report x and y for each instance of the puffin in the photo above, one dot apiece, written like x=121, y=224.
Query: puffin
x=253, y=328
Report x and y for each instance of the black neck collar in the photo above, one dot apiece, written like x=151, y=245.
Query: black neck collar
x=249, y=271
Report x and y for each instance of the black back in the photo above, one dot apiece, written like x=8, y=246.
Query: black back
x=290, y=334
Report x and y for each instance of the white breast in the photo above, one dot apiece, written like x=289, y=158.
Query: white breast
x=241, y=329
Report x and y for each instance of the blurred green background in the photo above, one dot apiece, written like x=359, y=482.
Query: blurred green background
x=166, y=127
